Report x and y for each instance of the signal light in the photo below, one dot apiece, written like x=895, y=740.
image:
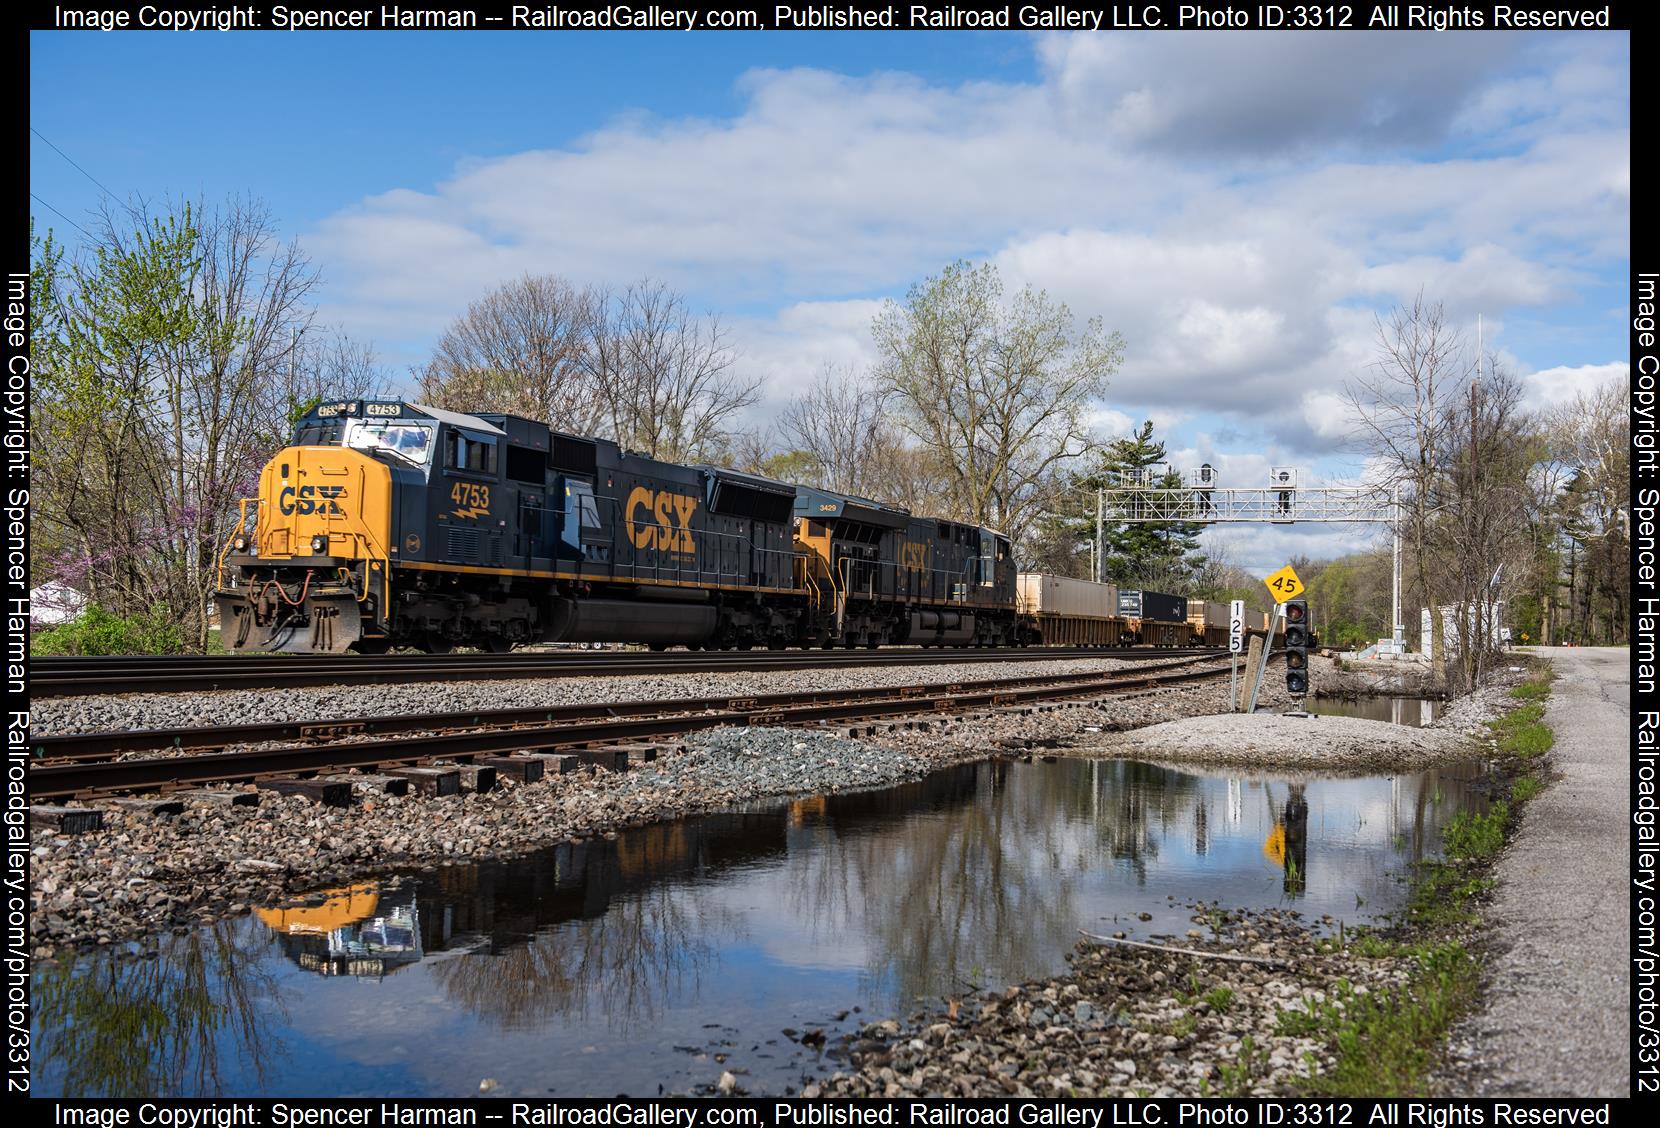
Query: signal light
x=1296, y=647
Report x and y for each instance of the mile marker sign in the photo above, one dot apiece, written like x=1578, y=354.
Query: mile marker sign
x=1236, y=626
x=1284, y=585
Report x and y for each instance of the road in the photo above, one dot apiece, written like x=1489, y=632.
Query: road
x=1557, y=1022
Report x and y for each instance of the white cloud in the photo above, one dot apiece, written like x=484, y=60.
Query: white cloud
x=1552, y=386
x=1237, y=206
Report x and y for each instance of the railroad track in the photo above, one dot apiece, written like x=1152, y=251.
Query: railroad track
x=65, y=677
x=84, y=765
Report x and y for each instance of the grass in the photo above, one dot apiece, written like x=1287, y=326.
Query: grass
x=1387, y=1041
x=1527, y=787
x=1220, y=999
x=1473, y=837
x=1522, y=732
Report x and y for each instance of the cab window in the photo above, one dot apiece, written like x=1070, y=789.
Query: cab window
x=467, y=452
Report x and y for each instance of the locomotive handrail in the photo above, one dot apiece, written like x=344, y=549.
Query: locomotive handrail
x=955, y=583
x=230, y=541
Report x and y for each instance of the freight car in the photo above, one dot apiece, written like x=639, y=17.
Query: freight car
x=1154, y=618
x=1060, y=611
x=388, y=523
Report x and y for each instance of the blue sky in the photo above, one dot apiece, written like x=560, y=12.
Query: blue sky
x=1238, y=205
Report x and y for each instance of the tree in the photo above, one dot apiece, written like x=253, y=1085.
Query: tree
x=664, y=374
x=168, y=357
x=841, y=424
x=996, y=393
x=1159, y=555
x=520, y=349
x=1483, y=494
x=1401, y=407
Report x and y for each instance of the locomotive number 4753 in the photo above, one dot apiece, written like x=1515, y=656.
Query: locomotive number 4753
x=472, y=499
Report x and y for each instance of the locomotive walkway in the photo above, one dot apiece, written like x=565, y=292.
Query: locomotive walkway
x=1557, y=1021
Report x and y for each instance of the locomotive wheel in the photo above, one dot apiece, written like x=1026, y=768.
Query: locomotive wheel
x=436, y=644
x=495, y=644
x=372, y=645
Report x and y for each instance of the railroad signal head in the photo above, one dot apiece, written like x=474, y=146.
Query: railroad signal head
x=1296, y=647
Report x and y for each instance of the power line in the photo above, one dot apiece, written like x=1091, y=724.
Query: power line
x=61, y=216
x=78, y=168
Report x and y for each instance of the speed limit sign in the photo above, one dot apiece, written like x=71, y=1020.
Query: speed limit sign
x=1236, y=626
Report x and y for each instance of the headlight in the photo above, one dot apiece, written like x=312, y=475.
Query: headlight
x=320, y=544
x=240, y=544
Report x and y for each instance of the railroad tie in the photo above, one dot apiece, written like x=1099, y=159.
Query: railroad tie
x=554, y=763
x=477, y=778
x=219, y=797
x=327, y=792
x=525, y=769
x=373, y=784
x=615, y=759
x=67, y=820
x=639, y=753
x=430, y=781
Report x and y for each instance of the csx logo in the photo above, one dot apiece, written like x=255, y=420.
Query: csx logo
x=660, y=520
x=913, y=556
x=311, y=499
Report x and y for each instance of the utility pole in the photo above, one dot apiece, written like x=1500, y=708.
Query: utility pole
x=1100, y=562
x=1398, y=628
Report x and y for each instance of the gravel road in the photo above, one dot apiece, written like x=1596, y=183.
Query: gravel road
x=1557, y=1022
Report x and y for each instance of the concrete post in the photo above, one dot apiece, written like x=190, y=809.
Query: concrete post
x=1253, y=659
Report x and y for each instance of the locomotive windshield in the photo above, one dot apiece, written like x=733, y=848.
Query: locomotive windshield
x=409, y=440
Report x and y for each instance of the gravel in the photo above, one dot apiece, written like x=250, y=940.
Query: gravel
x=55, y=716
x=1316, y=742
x=1125, y=1022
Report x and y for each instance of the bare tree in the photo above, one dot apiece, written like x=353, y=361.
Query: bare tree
x=1401, y=405
x=996, y=392
x=1483, y=493
x=841, y=423
x=665, y=374
x=519, y=349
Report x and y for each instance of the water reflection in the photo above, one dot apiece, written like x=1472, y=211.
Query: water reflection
x=173, y=1022
x=616, y=966
x=1412, y=711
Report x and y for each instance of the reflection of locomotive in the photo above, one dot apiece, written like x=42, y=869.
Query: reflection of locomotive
x=358, y=931
x=387, y=523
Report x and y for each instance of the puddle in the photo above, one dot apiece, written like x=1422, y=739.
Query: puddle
x=655, y=961
x=1413, y=711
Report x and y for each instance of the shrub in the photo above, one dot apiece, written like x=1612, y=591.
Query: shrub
x=99, y=632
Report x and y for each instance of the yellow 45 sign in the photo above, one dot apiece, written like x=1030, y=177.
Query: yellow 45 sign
x=1284, y=585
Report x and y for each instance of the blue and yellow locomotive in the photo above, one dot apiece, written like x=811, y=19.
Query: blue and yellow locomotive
x=388, y=523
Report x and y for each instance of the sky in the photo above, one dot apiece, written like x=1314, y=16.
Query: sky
x=1241, y=206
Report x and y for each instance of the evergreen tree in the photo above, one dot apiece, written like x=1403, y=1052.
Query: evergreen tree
x=1159, y=555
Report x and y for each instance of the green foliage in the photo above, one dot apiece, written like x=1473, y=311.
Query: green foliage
x=1162, y=555
x=98, y=632
x=1527, y=787
x=1220, y=999
x=1386, y=1040
x=1522, y=732
x=1470, y=837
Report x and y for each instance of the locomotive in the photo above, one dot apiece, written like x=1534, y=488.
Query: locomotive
x=387, y=523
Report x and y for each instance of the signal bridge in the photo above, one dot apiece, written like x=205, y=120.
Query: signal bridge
x=1328, y=504
x=1146, y=496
